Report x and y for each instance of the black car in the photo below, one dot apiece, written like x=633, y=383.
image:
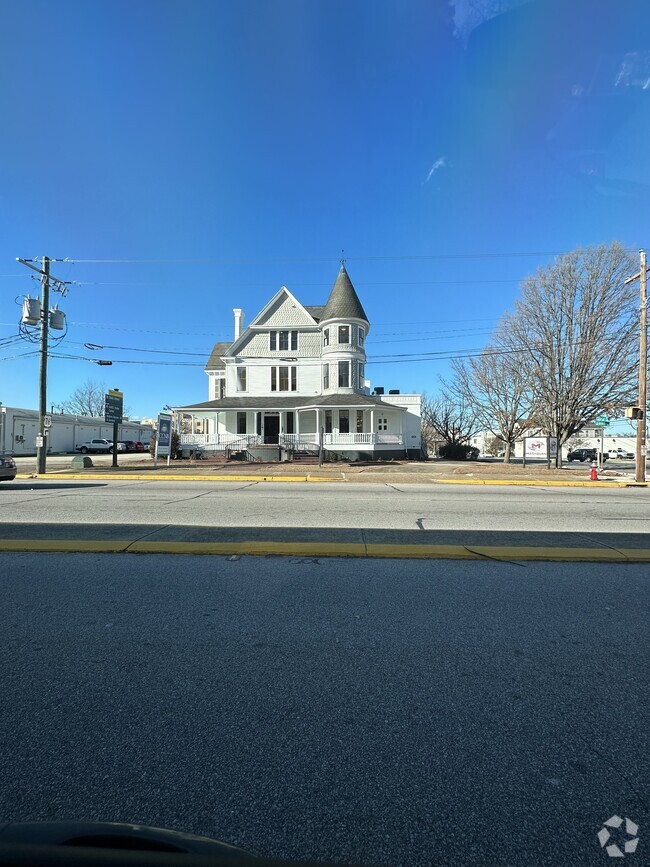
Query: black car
x=8, y=468
x=584, y=455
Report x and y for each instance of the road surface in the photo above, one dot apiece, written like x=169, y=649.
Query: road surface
x=376, y=711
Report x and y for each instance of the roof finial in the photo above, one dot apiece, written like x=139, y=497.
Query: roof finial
x=342, y=258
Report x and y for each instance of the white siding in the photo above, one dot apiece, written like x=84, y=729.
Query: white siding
x=258, y=379
x=256, y=344
x=284, y=314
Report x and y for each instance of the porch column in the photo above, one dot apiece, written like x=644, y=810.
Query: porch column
x=372, y=425
x=401, y=428
x=192, y=417
x=317, y=425
x=282, y=416
x=297, y=424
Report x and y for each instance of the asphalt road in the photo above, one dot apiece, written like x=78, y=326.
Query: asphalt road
x=382, y=712
x=341, y=513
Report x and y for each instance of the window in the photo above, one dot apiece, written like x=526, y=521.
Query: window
x=326, y=337
x=288, y=425
x=284, y=379
x=344, y=374
x=344, y=421
x=382, y=424
x=362, y=335
x=222, y=388
x=280, y=340
x=241, y=379
x=344, y=333
x=326, y=376
x=241, y=422
x=328, y=421
x=362, y=373
x=359, y=421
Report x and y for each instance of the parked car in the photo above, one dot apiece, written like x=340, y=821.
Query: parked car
x=129, y=445
x=98, y=445
x=8, y=468
x=139, y=447
x=585, y=455
x=621, y=455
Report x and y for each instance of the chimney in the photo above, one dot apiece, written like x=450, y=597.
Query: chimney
x=239, y=321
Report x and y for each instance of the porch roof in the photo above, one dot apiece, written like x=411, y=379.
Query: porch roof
x=351, y=401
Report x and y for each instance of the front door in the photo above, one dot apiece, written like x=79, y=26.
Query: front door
x=271, y=429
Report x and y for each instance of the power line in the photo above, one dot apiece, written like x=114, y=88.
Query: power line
x=337, y=258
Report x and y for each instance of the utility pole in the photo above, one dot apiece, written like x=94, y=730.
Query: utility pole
x=41, y=450
x=45, y=318
x=641, y=424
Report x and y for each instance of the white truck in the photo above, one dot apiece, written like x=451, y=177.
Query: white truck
x=102, y=446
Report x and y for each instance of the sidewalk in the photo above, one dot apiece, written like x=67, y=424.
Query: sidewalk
x=394, y=472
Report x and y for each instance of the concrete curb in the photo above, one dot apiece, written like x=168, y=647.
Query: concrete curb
x=333, y=549
x=132, y=477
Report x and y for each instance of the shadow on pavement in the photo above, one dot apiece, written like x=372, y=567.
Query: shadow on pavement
x=193, y=533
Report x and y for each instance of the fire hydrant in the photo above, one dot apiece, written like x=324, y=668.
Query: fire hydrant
x=594, y=472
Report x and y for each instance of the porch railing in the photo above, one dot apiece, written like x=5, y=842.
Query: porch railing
x=294, y=441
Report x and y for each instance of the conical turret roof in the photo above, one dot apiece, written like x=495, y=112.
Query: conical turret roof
x=343, y=302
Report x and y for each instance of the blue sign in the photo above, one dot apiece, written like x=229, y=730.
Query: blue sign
x=164, y=437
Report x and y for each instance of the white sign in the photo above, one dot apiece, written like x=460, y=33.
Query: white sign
x=47, y=421
x=541, y=448
x=39, y=442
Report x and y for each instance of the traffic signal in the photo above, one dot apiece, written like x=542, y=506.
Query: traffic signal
x=633, y=412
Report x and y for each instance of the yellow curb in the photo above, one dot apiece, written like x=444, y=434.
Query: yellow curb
x=333, y=549
x=123, y=477
x=532, y=483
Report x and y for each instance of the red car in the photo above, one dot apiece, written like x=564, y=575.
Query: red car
x=139, y=447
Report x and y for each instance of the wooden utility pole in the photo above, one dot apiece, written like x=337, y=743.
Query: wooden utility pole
x=41, y=451
x=642, y=424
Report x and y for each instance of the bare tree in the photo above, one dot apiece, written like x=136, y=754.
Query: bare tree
x=493, y=387
x=87, y=399
x=573, y=331
x=447, y=420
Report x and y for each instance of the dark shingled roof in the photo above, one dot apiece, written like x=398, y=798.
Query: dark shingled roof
x=215, y=362
x=343, y=302
x=277, y=403
x=316, y=312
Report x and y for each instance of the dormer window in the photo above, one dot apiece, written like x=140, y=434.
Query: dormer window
x=344, y=333
x=362, y=335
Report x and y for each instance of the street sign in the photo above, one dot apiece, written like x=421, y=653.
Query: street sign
x=602, y=420
x=47, y=421
x=113, y=406
x=39, y=441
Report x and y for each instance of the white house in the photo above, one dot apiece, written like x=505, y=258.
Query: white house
x=295, y=378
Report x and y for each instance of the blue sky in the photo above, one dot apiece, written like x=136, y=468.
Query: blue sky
x=232, y=148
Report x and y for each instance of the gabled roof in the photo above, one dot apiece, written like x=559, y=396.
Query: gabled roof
x=283, y=291
x=343, y=302
x=215, y=362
